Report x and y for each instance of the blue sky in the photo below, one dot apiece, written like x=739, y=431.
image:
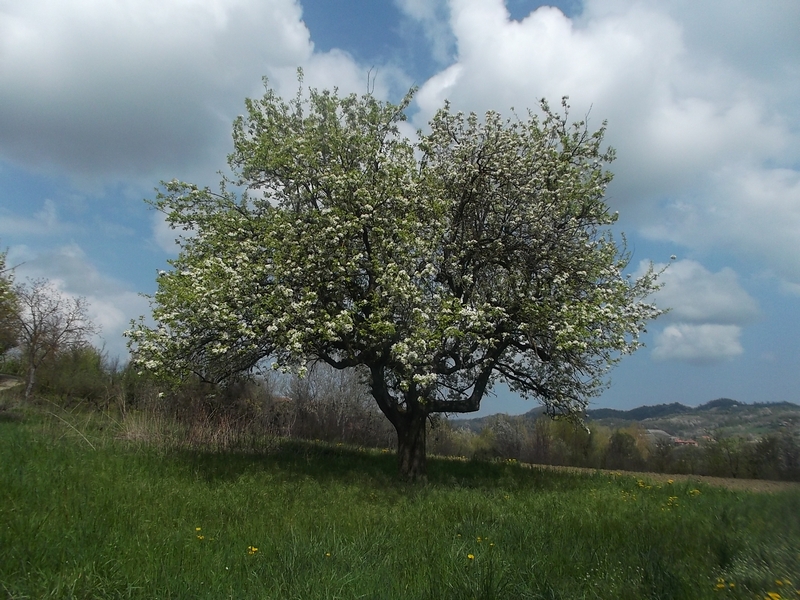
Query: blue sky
x=99, y=101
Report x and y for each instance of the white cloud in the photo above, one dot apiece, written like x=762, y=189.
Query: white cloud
x=695, y=295
x=754, y=212
x=698, y=344
x=671, y=114
x=707, y=312
x=142, y=88
x=337, y=69
x=432, y=15
x=741, y=32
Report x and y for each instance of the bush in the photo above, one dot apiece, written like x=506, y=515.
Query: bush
x=623, y=453
x=78, y=374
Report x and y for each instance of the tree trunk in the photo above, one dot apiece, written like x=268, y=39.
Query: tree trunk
x=411, y=430
x=29, y=385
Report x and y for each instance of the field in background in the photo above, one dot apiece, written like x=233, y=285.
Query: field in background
x=91, y=507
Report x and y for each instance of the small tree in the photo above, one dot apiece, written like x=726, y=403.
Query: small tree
x=622, y=452
x=479, y=254
x=48, y=323
x=542, y=440
x=77, y=372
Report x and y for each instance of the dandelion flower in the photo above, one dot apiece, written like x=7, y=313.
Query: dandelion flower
x=471, y=556
x=252, y=549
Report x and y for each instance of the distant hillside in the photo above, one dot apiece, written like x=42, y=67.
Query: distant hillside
x=723, y=416
x=638, y=414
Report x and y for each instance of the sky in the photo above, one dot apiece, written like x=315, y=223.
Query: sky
x=100, y=101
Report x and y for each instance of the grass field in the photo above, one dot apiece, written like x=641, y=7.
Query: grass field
x=86, y=515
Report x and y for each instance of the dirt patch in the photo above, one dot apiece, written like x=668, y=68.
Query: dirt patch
x=9, y=381
x=747, y=485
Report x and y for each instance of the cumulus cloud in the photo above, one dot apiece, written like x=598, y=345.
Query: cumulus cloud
x=707, y=313
x=337, y=69
x=734, y=32
x=671, y=116
x=433, y=16
x=696, y=295
x=698, y=344
x=753, y=212
x=141, y=87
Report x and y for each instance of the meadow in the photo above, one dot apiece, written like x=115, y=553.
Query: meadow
x=87, y=511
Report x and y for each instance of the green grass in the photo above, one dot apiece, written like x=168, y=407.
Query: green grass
x=83, y=515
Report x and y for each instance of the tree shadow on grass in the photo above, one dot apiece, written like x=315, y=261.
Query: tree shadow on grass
x=290, y=460
x=323, y=462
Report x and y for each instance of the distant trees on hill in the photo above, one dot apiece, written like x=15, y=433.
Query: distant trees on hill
x=772, y=456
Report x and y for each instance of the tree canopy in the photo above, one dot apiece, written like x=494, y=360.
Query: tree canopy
x=479, y=253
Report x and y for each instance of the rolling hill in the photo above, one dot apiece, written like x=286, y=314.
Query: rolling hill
x=720, y=417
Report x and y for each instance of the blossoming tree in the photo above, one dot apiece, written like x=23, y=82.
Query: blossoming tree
x=479, y=253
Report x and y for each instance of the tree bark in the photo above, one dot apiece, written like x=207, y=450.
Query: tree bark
x=410, y=425
x=31, y=376
x=411, y=432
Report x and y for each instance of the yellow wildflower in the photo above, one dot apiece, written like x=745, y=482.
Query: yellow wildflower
x=471, y=556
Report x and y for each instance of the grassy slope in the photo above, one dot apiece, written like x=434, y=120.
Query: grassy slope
x=115, y=519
